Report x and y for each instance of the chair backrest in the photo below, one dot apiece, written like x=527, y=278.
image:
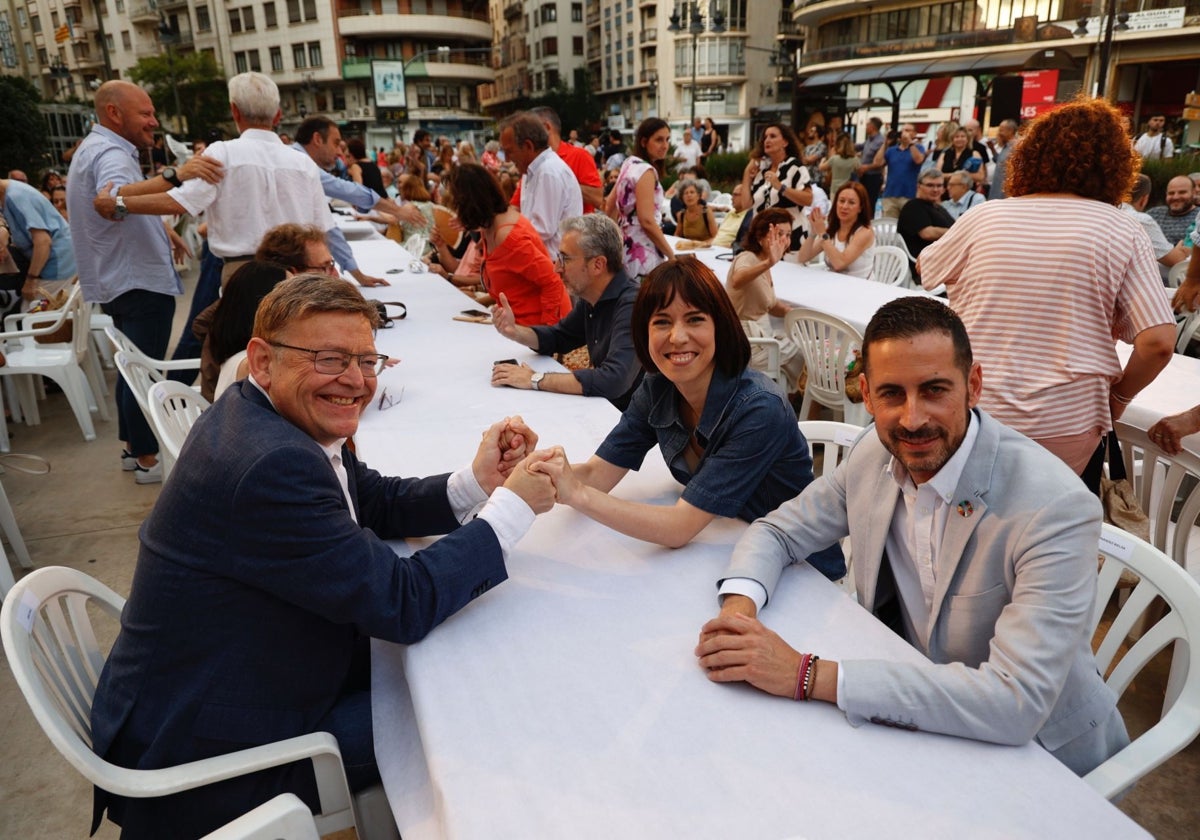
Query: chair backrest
x=1167, y=487
x=119, y=340
x=828, y=344
x=830, y=440
x=284, y=816
x=54, y=657
x=139, y=376
x=1185, y=331
x=174, y=408
x=772, y=368
x=886, y=232
x=1176, y=274
x=1159, y=577
x=889, y=265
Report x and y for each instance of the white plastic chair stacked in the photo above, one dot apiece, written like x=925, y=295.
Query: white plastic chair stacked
x=828, y=345
x=70, y=364
x=56, y=662
x=1159, y=576
x=174, y=408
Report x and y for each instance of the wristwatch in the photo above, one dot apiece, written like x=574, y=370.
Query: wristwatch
x=535, y=381
x=171, y=176
x=121, y=211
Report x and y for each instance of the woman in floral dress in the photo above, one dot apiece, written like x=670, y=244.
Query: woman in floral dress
x=635, y=202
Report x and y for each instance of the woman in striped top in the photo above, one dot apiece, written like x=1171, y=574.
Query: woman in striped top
x=1048, y=279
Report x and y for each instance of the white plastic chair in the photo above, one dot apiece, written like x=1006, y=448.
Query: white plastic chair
x=828, y=344
x=1161, y=481
x=285, y=816
x=8, y=521
x=772, y=369
x=887, y=234
x=140, y=378
x=100, y=321
x=174, y=408
x=1176, y=274
x=889, y=265
x=71, y=364
x=161, y=366
x=1185, y=331
x=1159, y=577
x=831, y=441
x=56, y=662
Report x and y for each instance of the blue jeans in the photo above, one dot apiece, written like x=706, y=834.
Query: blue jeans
x=208, y=289
x=145, y=318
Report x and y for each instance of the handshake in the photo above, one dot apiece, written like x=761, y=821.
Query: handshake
x=508, y=457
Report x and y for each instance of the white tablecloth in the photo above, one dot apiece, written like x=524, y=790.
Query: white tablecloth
x=1176, y=389
x=567, y=703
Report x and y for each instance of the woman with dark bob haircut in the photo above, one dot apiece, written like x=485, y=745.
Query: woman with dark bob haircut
x=517, y=270
x=1049, y=278
x=226, y=332
x=726, y=432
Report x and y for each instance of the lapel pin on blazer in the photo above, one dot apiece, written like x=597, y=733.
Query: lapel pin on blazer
x=965, y=509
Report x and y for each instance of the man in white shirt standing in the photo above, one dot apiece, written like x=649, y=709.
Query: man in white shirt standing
x=550, y=194
x=1155, y=143
x=266, y=183
x=688, y=152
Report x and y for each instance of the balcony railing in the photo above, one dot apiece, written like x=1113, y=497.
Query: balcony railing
x=903, y=46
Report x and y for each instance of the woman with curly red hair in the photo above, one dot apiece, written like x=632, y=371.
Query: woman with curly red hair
x=1047, y=279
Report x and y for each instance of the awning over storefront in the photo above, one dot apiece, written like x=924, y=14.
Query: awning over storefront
x=962, y=65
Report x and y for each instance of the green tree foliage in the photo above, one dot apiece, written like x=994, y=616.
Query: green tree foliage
x=199, y=82
x=576, y=107
x=23, y=143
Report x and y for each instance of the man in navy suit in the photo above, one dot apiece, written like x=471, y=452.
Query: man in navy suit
x=263, y=571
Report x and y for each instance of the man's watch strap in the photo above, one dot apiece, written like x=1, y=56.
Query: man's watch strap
x=535, y=381
x=171, y=176
x=121, y=210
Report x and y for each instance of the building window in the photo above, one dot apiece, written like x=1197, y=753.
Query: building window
x=30, y=55
x=235, y=21
x=269, y=16
x=255, y=64
x=293, y=7
x=110, y=43
x=310, y=9
x=276, y=59
x=239, y=61
x=35, y=23
x=314, y=54
x=22, y=17
x=576, y=13
x=120, y=5
x=549, y=13
x=126, y=41
x=577, y=45
x=203, y=23
x=424, y=96
x=248, y=18
x=549, y=46
x=551, y=78
x=298, y=56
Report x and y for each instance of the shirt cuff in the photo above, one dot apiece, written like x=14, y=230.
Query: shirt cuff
x=509, y=516
x=464, y=494
x=841, y=688
x=752, y=589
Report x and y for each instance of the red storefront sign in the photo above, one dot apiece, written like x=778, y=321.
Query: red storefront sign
x=1039, y=92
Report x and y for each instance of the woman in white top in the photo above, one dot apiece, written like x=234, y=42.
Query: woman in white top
x=846, y=239
x=752, y=290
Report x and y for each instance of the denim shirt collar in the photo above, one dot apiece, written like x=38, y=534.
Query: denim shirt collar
x=664, y=412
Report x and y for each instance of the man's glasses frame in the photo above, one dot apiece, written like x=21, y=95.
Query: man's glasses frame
x=337, y=362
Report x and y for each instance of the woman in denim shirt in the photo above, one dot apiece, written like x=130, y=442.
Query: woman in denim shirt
x=726, y=432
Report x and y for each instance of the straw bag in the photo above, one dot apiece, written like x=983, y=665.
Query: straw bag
x=49, y=303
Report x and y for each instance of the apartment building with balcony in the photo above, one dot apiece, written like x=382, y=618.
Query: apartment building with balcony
x=320, y=53
x=640, y=66
x=928, y=61
x=540, y=45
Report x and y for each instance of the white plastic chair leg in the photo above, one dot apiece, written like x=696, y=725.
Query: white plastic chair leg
x=8, y=521
x=7, y=581
x=27, y=397
x=4, y=447
x=76, y=390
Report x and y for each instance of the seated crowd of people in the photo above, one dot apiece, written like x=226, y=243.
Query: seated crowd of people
x=263, y=571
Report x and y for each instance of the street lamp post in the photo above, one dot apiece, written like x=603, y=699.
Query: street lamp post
x=168, y=34
x=696, y=28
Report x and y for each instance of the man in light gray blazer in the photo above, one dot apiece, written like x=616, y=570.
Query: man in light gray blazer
x=971, y=541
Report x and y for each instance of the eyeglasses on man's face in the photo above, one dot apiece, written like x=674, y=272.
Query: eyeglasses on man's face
x=335, y=362
x=560, y=262
x=329, y=268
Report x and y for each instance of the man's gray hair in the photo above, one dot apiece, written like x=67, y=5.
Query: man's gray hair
x=961, y=176
x=527, y=126
x=930, y=175
x=256, y=97
x=599, y=236
x=547, y=115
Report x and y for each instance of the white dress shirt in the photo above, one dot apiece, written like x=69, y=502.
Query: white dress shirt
x=549, y=194
x=266, y=184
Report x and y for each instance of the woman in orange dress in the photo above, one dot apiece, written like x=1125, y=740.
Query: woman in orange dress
x=516, y=263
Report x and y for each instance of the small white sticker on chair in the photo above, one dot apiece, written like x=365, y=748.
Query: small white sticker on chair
x=158, y=392
x=27, y=610
x=1119, y=545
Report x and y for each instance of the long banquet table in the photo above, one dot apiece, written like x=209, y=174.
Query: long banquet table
x=566, y=702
